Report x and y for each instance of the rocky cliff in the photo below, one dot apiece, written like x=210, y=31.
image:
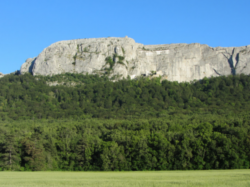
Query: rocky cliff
x=1, y=75
x=123, y=57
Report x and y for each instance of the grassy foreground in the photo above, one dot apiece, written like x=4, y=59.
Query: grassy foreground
x=127, y=179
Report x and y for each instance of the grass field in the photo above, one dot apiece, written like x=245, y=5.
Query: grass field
x=213, y=178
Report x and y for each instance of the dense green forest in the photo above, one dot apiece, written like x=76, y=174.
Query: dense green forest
x=138, y=124
x=29, y=97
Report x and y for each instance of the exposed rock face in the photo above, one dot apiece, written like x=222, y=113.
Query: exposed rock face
x=175, y=62
x=28, y=65
x=1, y=75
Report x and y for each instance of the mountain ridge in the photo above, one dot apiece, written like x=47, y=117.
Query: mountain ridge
x=123, y=57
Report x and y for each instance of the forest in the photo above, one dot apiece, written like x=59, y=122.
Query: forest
x=127, y=125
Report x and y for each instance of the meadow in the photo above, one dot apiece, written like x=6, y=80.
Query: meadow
x=208, y=178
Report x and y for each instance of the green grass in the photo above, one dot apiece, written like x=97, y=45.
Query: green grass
x=225, y=178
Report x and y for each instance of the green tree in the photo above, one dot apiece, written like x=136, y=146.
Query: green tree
x=34, y=155
x=10, y=156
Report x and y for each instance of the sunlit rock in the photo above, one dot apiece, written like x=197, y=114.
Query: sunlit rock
x=174, y=62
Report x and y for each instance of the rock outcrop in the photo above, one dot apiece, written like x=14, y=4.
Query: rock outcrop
x=1, y=75
x=28, y=65
x=123, y=57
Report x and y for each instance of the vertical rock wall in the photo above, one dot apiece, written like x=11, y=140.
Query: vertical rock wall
x=124, y=57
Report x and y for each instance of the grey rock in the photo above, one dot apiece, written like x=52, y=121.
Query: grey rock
x=1, y=75
x=69, y=84
x=175, y=62
x=27, y=66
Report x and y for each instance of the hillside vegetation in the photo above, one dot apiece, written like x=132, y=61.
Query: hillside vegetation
x=125, y=125
x=28, y=97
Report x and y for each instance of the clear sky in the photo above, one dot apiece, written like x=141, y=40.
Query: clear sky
x=29, y=26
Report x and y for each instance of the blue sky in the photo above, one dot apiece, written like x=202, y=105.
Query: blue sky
x=29, y=26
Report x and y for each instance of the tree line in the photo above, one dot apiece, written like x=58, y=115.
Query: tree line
x=180, y=142
x=141, y=124
x=29, y=97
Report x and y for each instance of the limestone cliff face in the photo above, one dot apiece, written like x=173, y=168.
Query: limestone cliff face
x=28, y=65
x=123, y=56
x=1, y=75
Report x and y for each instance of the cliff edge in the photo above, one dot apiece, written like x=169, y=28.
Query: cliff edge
x=123, y=57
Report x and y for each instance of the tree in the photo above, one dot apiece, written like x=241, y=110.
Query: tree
x=10, y=156
x=84, y=151
x=113, y=157
x=34, y=155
